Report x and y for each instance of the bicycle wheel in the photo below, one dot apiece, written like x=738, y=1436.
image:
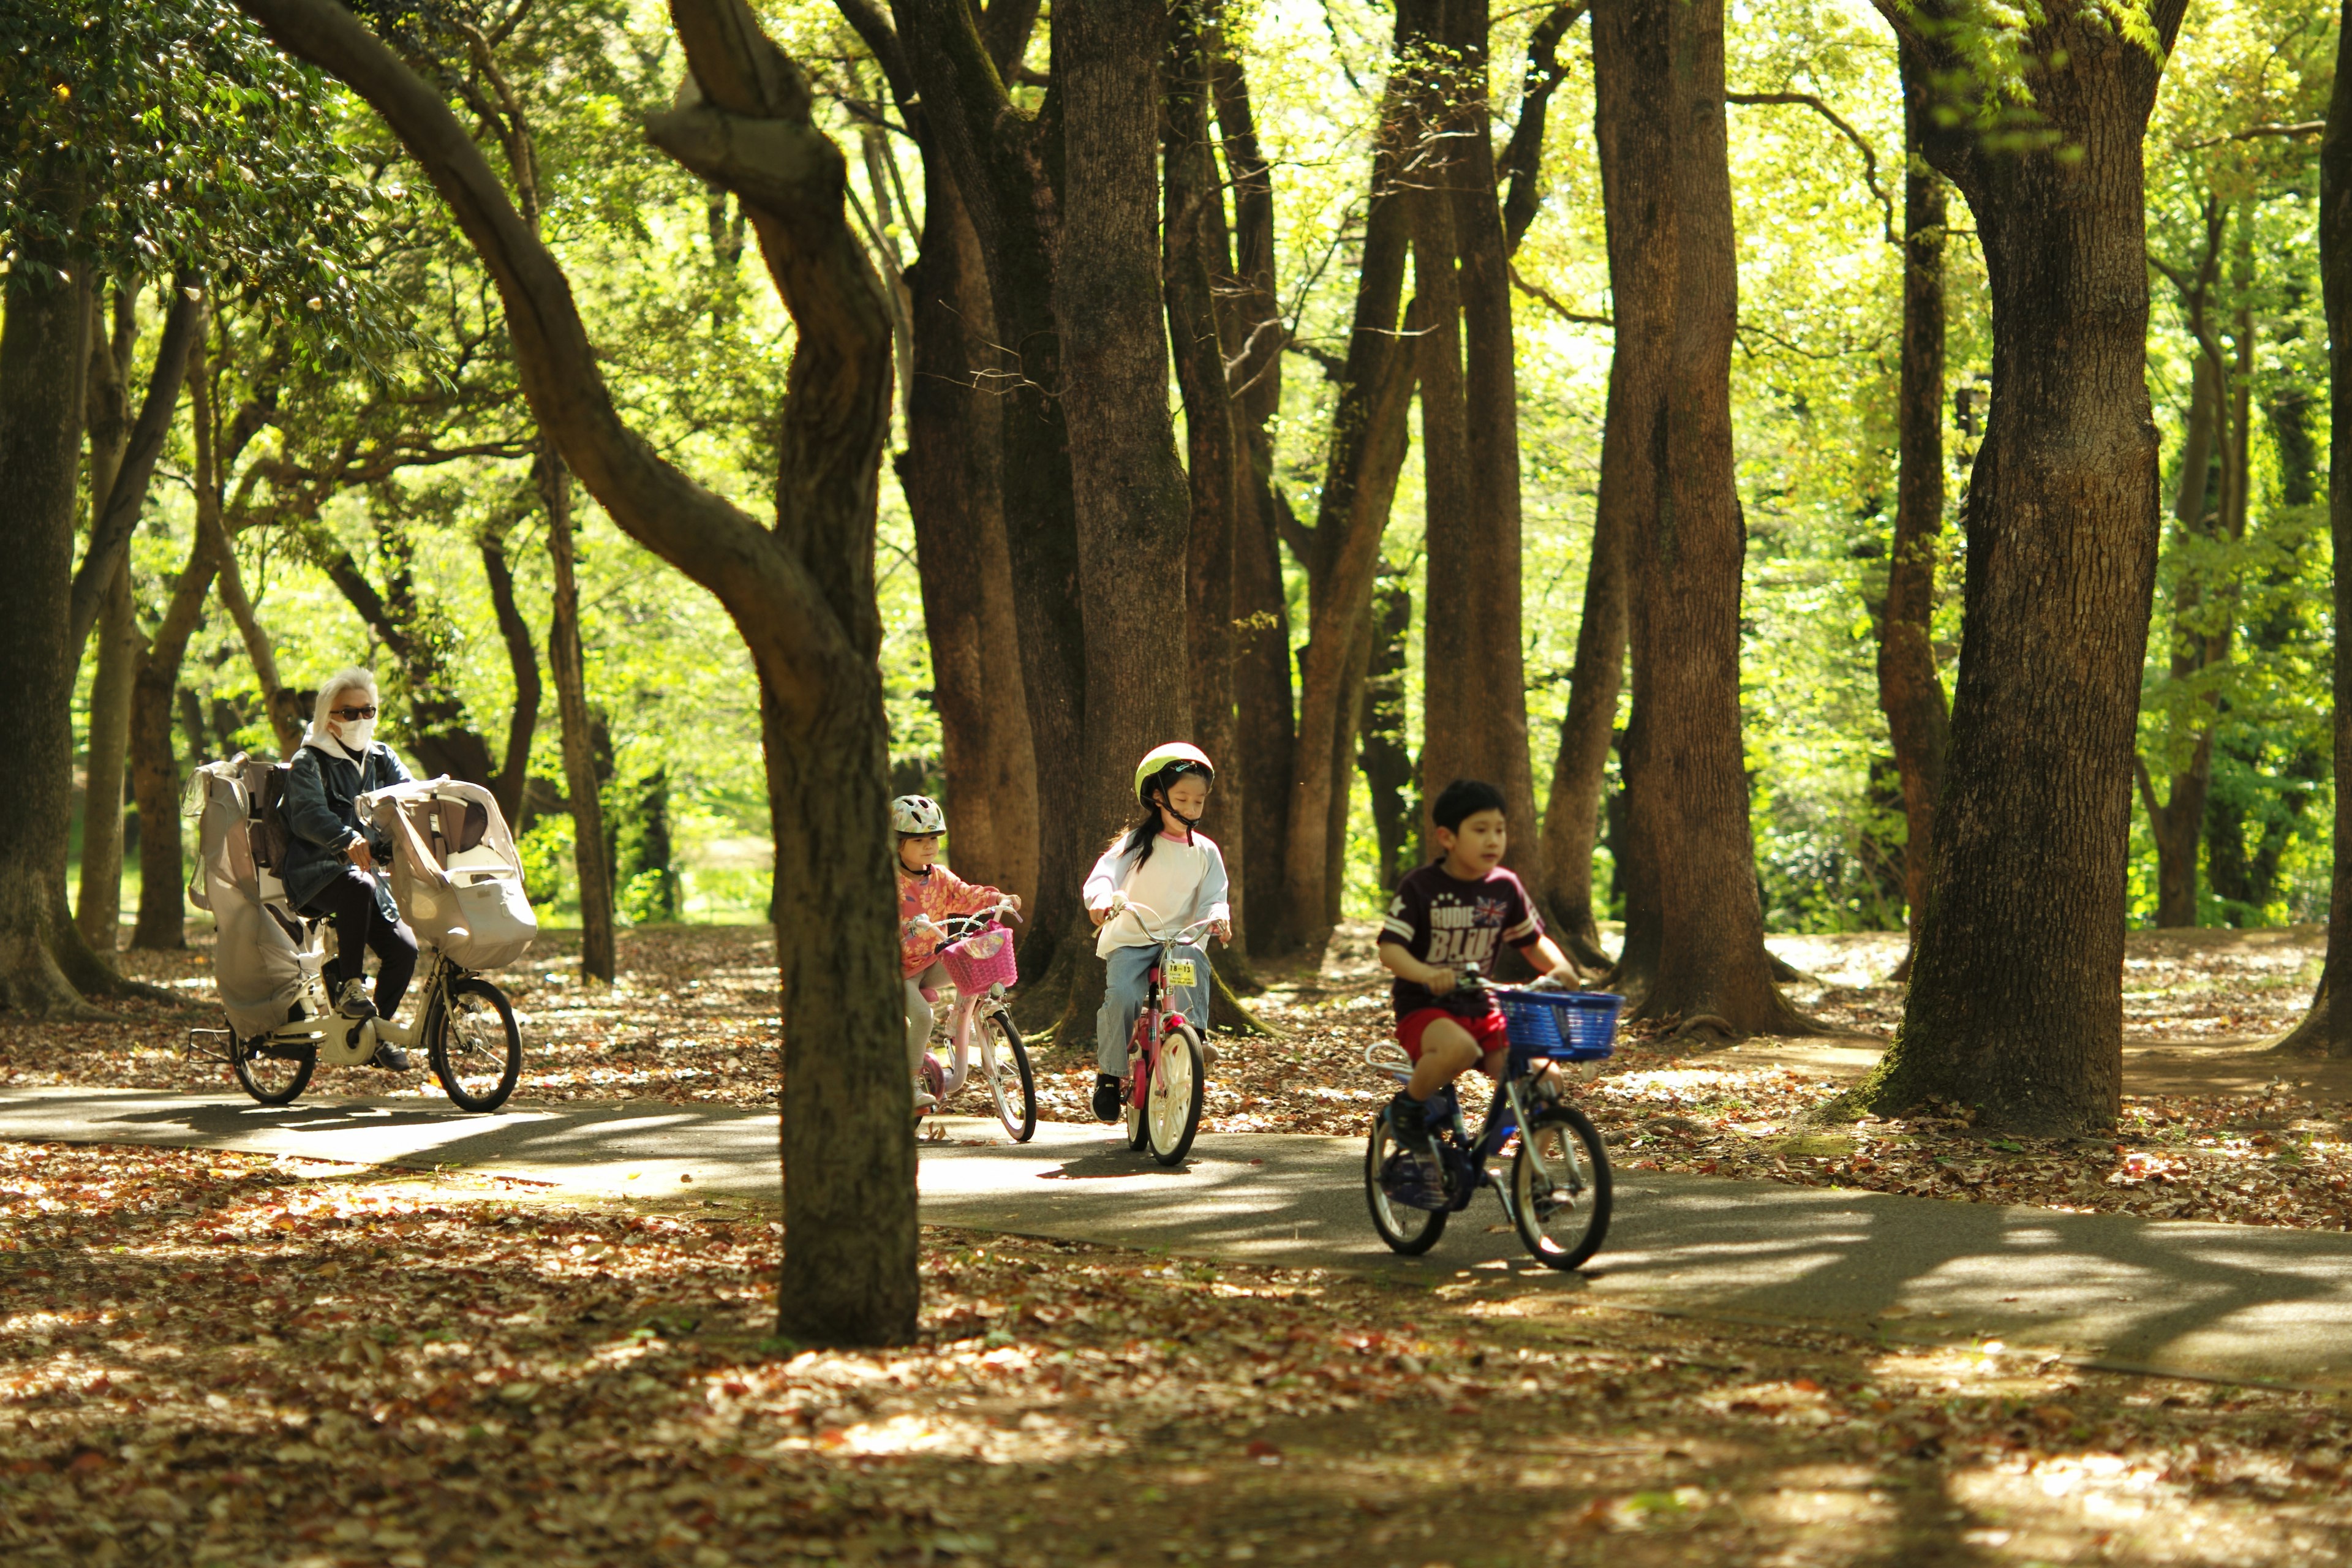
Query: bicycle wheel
x=476, y=1049
x=1005, y=1061
x=1563, y=1220
x=272, y=1073
x=1138, y=1068
x=1406, y=1229
x=1172, y=1109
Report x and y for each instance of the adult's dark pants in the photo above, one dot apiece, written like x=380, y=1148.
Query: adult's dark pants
x=360, y=928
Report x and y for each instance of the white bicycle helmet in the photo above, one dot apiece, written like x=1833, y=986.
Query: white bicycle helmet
x=917, y=815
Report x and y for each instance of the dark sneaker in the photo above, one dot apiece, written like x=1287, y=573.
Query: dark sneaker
x=355, y=1002
x=392, y=1058
x=1409, y=1126
x=1107, y=1093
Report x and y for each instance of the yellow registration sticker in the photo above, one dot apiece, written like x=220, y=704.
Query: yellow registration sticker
x=1182, y=972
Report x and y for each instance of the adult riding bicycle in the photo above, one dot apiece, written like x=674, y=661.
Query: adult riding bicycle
x=1167, y=1062
x=978, y=951
x=1556, y=1189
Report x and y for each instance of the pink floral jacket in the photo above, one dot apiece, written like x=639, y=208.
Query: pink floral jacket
x=937, y=893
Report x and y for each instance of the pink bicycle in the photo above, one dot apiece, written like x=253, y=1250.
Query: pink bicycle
x=978, y=951
x=1166, y=1067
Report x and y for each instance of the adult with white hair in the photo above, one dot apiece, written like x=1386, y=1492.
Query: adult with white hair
x=330, y=867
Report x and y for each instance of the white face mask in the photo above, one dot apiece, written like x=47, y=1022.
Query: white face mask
x=355, y=734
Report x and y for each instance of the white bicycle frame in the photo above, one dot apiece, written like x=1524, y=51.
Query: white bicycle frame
x=348, y=1042
x=980, y=1005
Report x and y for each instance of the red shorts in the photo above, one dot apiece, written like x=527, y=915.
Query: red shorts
x=1486, y=1028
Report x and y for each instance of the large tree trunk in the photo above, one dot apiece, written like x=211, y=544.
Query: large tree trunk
x=1005, y=164
x=1217, y=470
x=591, y=858
x=154, y=769
x=1474, y=567
x=1659, y=65
x=44, y=354
x=1370, y=428
x=2016, y=1004
x=1385, y=758
x=1133, y=503
x=952, y=472
x=2327, y=1027
x=1910, y=687
x=801, y=596
x=1251, y=326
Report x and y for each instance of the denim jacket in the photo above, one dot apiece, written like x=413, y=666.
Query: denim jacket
x=323, y=821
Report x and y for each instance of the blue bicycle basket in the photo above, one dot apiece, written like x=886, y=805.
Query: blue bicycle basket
x=1566, y=1025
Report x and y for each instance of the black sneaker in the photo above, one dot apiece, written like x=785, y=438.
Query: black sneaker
x=390, y=1057
x=1409, y=1126
x=1107, y=1093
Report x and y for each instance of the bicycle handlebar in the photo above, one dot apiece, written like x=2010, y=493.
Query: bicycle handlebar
x=1188, y=937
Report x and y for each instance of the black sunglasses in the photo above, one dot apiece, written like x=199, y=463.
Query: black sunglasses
x=353, y=715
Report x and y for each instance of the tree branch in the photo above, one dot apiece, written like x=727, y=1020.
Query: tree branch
x=1869, y=157
x=1522, y=159
x=1562, y=311
x=119, y=516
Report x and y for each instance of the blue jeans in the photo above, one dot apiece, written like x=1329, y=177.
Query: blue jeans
x=1123, y=995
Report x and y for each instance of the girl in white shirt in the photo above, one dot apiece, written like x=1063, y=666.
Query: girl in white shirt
x=1176, y=873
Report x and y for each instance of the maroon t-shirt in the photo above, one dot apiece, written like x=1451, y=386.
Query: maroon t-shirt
x=1444, y=921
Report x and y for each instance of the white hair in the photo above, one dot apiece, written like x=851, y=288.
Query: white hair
x=351, y=677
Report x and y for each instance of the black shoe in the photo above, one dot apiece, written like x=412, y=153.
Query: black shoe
x=1409, y=1126
x=390, y=1057
x=1107, y=1093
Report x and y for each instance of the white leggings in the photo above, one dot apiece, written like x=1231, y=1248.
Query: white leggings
x=921, y=1012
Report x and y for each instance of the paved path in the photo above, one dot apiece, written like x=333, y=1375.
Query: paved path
x=2231, y=1302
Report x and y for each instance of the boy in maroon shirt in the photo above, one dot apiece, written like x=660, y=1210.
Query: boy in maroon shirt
x=1458, y=910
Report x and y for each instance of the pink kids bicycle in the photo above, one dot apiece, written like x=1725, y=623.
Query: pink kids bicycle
x=1167, y=1069
x=978, y=951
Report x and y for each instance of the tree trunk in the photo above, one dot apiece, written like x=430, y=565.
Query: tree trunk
x=1132, y=500
x=568, y=662
x=1571, y=821
x=801, y=596
x=1685, y=550
x=1369, y=428
x=1008, y=168
x=2327, y=1027
x=1250, y=324
x=98, y=908
x=1910, y=687
x=523, y=658
x=2016, y=1004
x=154, y=769
x=1487, y=538
x=952, y=472
x=44, y=354
x=1217, y=470
x=1387, y=761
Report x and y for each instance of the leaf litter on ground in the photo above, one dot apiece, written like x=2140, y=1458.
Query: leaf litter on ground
x=220, y=1358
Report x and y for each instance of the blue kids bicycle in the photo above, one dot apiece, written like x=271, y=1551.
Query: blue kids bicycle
x=1556, y=1190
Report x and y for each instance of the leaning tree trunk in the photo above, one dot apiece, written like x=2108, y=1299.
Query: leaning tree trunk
x=2329, y=1026
x=523, y=658
x=44, y=350
x=567, y=661
x=1688, y=774
x=2016, y=995
x=1910, y=687
x=154, y=769
x=1370, y=426
x=801, y=594
x=1571, y=821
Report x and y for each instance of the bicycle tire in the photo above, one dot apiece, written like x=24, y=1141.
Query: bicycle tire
x=462, y=1048
x=1532, y=1211
x=1018, y=1115
x=244, y=1054
x=1404, y=1229
x=1172, y=1115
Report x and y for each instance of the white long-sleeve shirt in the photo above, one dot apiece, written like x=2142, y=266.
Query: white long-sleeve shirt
x=1182, y=884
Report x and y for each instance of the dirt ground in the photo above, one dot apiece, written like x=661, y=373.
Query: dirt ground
x=2214, y=1125
x=222, y=1358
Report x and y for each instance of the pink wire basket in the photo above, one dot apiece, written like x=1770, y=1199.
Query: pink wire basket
x=981, y=960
